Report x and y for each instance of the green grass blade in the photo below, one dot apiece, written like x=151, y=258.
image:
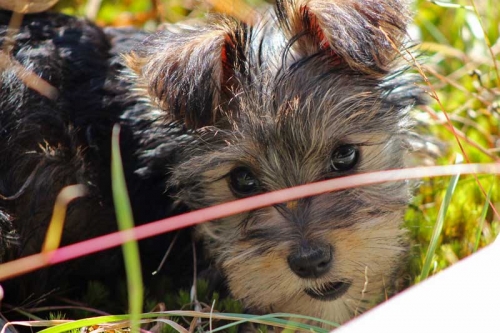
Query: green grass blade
x=239, y=318
x=482, y=218
x=281, y=315
x=125, y=221
x=77, y=324
x=276, y=318
x=451, y=5
x=438, y=227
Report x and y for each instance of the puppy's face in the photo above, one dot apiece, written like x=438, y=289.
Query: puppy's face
x=312, y=92
x=324, y=256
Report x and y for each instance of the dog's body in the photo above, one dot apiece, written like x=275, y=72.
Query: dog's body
x=214, y=112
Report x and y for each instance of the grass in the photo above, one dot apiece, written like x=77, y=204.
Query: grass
x=438, y=227
x=126, y=222
x=448, y=219
x=123, y=321
x=463, y=74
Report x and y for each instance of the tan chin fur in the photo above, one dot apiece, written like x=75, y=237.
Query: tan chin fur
x=365, y=254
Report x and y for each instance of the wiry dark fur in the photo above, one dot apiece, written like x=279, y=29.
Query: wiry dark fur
x=195, y=102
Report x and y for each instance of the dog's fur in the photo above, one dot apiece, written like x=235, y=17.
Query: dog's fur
x=205, y=106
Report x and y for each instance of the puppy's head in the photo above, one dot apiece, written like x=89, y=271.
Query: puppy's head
x=313, y=91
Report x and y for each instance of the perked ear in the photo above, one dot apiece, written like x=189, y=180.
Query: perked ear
x=188, y=71
x=365, y=35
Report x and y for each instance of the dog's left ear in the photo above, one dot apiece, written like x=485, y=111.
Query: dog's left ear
x=365, y=35
x=188, y=70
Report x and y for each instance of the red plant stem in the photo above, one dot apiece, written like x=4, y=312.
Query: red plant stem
x=33, y=262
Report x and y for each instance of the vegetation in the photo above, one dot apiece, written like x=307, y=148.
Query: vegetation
x=461, y=48
x=450, y=218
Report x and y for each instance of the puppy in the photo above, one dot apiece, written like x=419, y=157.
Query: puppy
x=215, y=111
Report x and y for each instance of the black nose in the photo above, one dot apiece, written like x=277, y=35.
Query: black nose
x=311, y=261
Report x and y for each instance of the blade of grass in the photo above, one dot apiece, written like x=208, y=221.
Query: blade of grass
x=27, y=6
x=126, y=223
x=434, y=95
x=438, y=227
x=56, y=225
x=92, y=8
x=36, y=261
x=488, y=42
x=77, y=324
x=276, y=319
x=172, y=324
x=32, y=323
x=482, y=218
x=273, y=319
x=451, y=5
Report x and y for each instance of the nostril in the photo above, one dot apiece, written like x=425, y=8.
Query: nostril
x=311, y=261
x=323, y=264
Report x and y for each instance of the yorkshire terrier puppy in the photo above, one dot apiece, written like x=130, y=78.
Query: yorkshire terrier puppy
x=215, y=111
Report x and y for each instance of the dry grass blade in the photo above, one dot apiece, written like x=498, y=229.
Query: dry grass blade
x=27, y=6
x=56, y=225
x=33, y=323
x=172, y=324
x=452, y=129
x=66, y=307
x=33, y=262
x=481, y=220
x=488, y=42
x=92, y=9
x=450, y=5
x=29, y=78
x=126, y=324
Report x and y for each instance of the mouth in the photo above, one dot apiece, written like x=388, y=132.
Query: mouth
x=329, y=291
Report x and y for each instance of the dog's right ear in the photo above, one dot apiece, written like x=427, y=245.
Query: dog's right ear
x=188, y=71
x=365, y=35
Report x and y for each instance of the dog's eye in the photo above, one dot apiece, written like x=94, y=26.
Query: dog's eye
x=344, y=158
x=243, y=182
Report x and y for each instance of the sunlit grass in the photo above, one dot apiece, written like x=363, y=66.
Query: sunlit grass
x=120, y=322
x=459, y=64
x=438, y=226
x=449, y=219
x=125, y=220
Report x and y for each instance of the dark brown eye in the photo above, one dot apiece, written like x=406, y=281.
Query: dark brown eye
x=344, y=158
x=243, y=182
